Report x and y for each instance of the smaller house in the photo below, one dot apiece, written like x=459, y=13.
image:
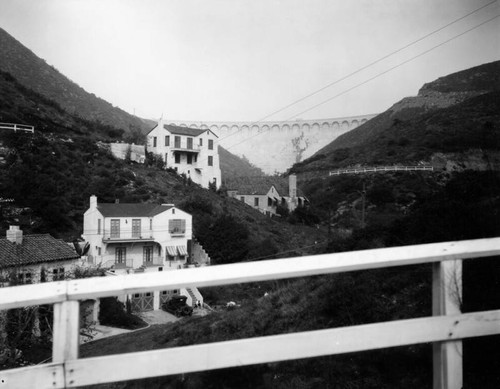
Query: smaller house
x=35, y=258
x=267, y=193
x=129, y=238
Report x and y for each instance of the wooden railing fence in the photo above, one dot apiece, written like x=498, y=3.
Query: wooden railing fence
x=17, y=127
x=380, y=169
x=445, y=328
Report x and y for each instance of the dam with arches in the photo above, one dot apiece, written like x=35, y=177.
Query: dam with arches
x=274, y=146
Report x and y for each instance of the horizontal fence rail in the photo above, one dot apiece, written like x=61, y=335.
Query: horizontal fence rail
x=446, y=329
x=380, y=169
x=17, y=127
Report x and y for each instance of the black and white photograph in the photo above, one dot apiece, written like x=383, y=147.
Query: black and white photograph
x=250, y=194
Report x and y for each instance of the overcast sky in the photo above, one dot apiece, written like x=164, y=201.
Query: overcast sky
x=231, y=60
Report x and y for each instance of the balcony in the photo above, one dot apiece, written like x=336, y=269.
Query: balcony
x=128, y=236
x=177, y=231
x=180, y=149
x=124, y=264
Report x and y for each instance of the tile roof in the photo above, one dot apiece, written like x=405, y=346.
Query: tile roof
x=35, y=249
x=183, y=130
x=131, y=209
x=260, y=185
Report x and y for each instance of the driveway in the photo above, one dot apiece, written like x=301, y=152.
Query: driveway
x=157, y=317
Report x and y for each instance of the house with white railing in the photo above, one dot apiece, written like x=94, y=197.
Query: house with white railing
x=190, y=151
x=133, y=238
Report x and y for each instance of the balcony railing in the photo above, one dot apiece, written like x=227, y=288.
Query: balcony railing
x=177, y=231
x=124, y=264
x=186, y=149
x=446, y=327
x=128, y=236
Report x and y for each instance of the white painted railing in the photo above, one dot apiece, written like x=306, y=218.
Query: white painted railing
x=380, y=169
x=446, y=327
x=17, y=127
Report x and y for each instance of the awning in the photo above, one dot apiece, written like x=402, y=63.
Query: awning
x=172, y=251
x=182, y=250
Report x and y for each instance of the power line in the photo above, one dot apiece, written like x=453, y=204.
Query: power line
x=365, y=67
x=374, y=77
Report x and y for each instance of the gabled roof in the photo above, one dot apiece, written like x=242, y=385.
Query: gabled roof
x=34, y=249
x=183, y=130
x=131, y=209
x=260, y=186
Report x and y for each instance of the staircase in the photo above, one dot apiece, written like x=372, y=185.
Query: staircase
x=195, y=295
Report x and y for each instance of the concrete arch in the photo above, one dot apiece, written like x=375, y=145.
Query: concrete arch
x=193, y=126
x=296, y=127
x=182, y=125
x=172, y=124
x=345, y=125
x=224, y=129
x=315, y=127
x=275, y=128
x=264, y=128
x=214, y=129
x=325, y=126
x=234, y=128
x=245, y=129
x=354, y=123
x=204, y=127
x=335, y=126
x=285, y=127
x=363, y=121
x=255, y=128
x=306, y=127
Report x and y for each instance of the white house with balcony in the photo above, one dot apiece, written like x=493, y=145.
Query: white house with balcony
x=136, y=238
x=190, y=151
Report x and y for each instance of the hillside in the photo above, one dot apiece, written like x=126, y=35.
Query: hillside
x=233, y=166
x=34, y=73
x=453, y=115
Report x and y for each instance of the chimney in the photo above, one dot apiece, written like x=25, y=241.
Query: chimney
x=93, y=202
x=15, y=235
x=292, y=184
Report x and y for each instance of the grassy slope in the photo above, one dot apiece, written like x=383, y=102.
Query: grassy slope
x=454, y=113
x=34, y=73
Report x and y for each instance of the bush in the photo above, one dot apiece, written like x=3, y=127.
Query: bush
x=112, y=313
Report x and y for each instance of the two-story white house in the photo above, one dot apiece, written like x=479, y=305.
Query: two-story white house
x=190, y=151
x=136, y=238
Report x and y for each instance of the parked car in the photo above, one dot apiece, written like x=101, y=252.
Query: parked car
x=177, y=306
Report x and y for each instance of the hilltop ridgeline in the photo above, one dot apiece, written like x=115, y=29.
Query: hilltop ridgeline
x=34, y=73
x=447, y=124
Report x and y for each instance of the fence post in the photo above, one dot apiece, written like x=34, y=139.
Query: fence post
x=446, y=300
x=66, y=336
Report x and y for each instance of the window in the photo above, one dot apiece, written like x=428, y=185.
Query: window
x=177, y=141
x=120, y=254
x=177, y=158
x=154, y=141
x=58, y=274
x=242, y=198
x=98, y=226
x=150, y=224
x=115, y=228
x=136, y=228
x=269, y=202
x=189, y=159
x=24, y=277
x=256, y=201
x=195, y=158
x=167, y=140
x=98, y=251
x=160, y=268
x=210, y=144
x=190, y=143
x=177, y=226
x=215, y=182
x=210, y=160
x=147, y=254
x=201, y=141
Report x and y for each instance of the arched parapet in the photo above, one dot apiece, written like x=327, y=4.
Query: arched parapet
x=285, y=127
x=245, y=129
x=335, y=126
x=315, y=127
x=325, y=126
x=265, y=127
x=193, y=126
x=275, y=128
x=224, y=130
x=354, y=124
x=345, y=125
x=204, y=127
x=234, y=129
x=295, y=127
x=215, y=129
x=306, y=127
x=363, y=121
x=182, y=125
x=255, y=128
